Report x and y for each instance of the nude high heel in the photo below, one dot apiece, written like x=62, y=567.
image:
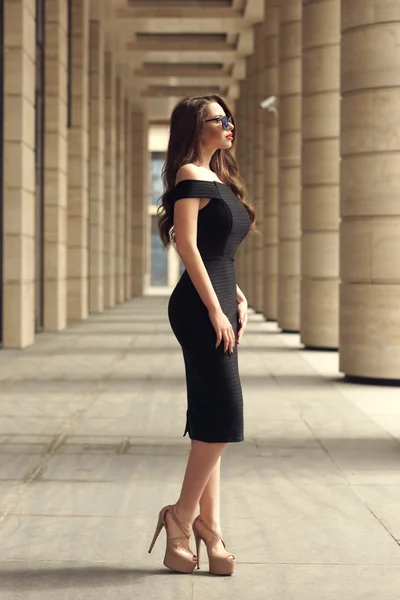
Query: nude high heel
x=178, y=556
x=219, y=564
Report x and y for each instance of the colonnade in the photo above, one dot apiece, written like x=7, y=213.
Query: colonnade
x=95, y=196
x=323, y=172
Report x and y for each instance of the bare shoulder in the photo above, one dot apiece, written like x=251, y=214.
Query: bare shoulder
x=188, y=171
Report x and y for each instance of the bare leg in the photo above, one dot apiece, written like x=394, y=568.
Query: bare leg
x=210, y=503
x=210, y=500
x=202, y=460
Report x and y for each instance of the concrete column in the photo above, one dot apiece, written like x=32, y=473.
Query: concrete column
x=120, y=191
x=271, y=160
x=56, y=167
x=96, y=166
x=289, y=165
x=128, y=200
x=19, y=174
x=258, y=169
x=369, y=335
x=140, y=237
x=320, y=174
x=109, y=179
x=78, y=165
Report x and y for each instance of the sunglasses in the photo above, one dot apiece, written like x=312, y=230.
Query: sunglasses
x=225, y=121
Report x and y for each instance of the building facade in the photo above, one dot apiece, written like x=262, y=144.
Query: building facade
x=82, y=84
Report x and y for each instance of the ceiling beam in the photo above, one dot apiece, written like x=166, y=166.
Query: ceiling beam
x=179, y=91
x=180, y=70
x=184, y=45
x=168, y=12
x=229, y=25
x=159, y=122
x=254, y=11
x=245, y=45
x=239, y=69
x=205, y=82
x=180, y=3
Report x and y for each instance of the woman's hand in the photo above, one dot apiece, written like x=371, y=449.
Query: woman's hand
x=223, y=329
x=242, y=318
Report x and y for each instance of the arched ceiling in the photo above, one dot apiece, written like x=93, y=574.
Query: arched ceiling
x=174, y=48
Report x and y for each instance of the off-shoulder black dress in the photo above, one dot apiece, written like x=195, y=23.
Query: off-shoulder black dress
x=214, y=393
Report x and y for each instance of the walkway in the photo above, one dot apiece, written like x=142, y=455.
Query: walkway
x=91, y=447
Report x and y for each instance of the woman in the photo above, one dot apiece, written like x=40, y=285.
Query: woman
x=205, y=214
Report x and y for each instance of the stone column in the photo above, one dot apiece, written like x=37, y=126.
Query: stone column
x=320, y=174
x=96, y=166
x=109, y=179
x=369, y=333
x=19, y=174
x=120, y=191
x=128, y=200
x=140, y=266
x=56, y=167
x=289, y=165
x=78, y=165
x=258, y=169
x=271, y=160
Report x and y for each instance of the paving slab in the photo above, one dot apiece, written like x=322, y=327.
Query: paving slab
x=89, y=581
x=302, y=582
x=383, y=501
x=15, y=466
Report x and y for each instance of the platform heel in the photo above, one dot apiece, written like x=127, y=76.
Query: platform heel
x=178, y=556
x=219, y=564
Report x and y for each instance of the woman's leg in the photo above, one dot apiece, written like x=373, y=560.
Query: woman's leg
x=202, y=460
x=210, y=501
x=210, y=504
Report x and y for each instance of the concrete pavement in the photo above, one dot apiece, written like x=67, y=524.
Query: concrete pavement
x=91, y=447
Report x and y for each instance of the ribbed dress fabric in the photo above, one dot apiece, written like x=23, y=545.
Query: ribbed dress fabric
x=214, y=392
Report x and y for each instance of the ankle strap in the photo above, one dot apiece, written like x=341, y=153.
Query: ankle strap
x=171, y=510
x=207, y=527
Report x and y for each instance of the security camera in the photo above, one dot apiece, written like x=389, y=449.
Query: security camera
x=269, y=104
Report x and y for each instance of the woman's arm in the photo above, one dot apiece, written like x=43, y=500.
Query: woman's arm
x=242, y=312
x=240, y=297
x=185, y=226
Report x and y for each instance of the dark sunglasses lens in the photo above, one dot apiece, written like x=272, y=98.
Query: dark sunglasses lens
x=226, y=121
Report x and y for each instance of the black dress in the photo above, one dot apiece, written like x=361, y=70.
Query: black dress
x=215, y=403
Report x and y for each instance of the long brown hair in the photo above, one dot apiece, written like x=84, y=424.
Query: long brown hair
x=186, y=128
